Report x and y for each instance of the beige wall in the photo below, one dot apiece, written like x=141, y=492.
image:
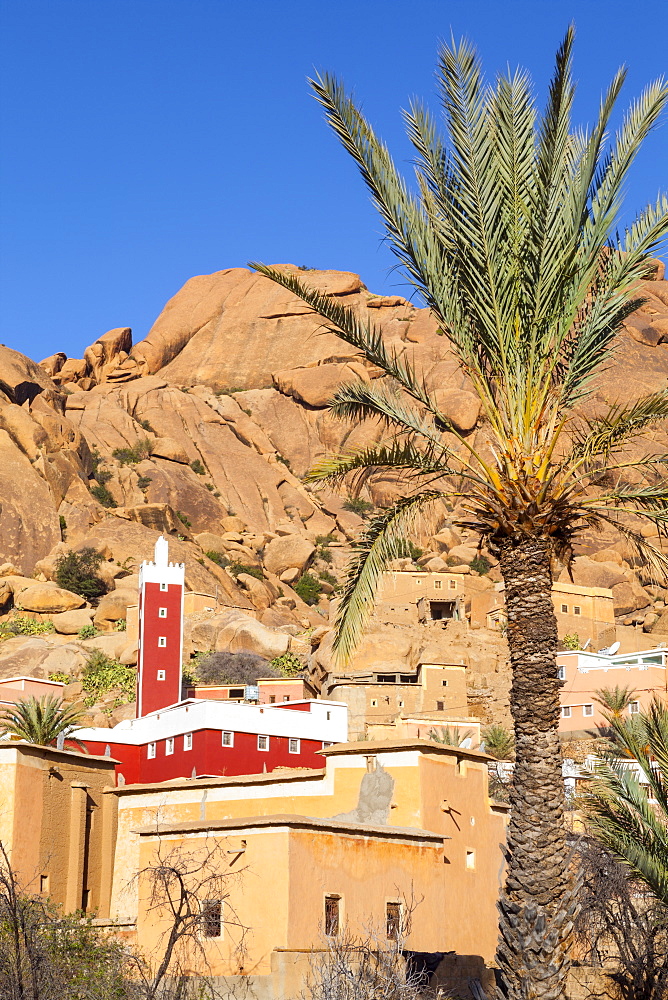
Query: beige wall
x=55, y=823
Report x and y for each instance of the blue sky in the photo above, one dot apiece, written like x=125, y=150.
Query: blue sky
x=145, y=141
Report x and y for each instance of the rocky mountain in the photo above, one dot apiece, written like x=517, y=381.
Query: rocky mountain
x=204, y=430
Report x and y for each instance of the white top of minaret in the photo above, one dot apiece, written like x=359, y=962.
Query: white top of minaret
x=161, y=570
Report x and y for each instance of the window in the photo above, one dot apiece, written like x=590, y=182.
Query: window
x=374, y=703
x=162, y=612
x=332, y=907
x=564, y=609
x=470, y=860
x=236, y=693
x=329, y=716
x=272, y=699
x=44, y=883
x=227, y=739
x=576, y=610
x=417, y=581
x=634, y=707
x=439, y=706
x=587, y=709
x=150, y=751
x=188, y=741
x=162, y=640
x=400, y=704
x=169, y=746
x=562, y=673
x=327, y=743
x=293, y=746
x=163, y=586
x=452, y=584
x=161, y=675
x=438, y=585
x=263, y=742
x=393, y=920
x=286, y=697
x=566, y=712
x=444, y=683
x=212, y=918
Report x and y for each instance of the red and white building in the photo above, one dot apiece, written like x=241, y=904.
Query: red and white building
x=174, y=738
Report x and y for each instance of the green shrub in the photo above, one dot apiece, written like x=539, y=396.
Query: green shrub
x=102, y=674
x=358, y=506
x=77, y=571
x=60, y=677
x=288, y=664
x=121, y=625
x=183, y=519
x=571, y=641
x=210, y=487
x=283, y=459
x=480, y=565
x=88, y=632
x=328, y=577
x=409, y=550
x=136, y=453
x=146, y=425
x=63, y=525
x=197, y=467
x=143, y=482
x=217, y=557
x=23, y=625
x=308, y=588
x=103, y=496
x=235, y=568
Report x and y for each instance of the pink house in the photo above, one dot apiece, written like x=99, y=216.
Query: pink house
x=583, y=673
x=13, y=689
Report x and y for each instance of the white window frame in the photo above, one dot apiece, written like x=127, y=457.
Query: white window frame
x=634, y=707
x=294, y=745
x=162, y=675
x=150, y=751
x=265, y=748
x=587, y=710
x=162, y=612
x=164, y=586
x=225, y=733
x=438, y=585
x=562, y=673
x=566, y=711
x=169, y=746
x=187, y=741
x=162, y=641
x=564, y=609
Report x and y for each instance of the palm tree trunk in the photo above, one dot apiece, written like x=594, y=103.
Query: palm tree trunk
x=537, y=904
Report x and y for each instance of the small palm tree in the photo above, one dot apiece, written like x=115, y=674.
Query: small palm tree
x=451, y=737
x=508, y=235
x=42, y=721
x=628, y=806
x=498, y=742
x=614, y=701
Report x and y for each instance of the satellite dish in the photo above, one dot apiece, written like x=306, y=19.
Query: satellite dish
x=586, y=645
x=610, y=650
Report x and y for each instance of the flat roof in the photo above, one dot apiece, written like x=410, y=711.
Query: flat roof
x=268, y=778
x=295, y=822
x=39, y=750
x=367, y=747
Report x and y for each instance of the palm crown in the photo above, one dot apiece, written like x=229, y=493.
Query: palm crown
x=42, y=720
x=508, y=242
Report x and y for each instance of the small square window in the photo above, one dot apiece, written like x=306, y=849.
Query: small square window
x=329, y=715
x=162, y=640
x=227, y=739
x=564, y=609
x=161, y=675
x=439, y=706
x=400, y=704
x=577, y=610
x=188, y=741
x=150, y=751
x=164, y=586
x=562, y=673
x=634, y=707
x=162, y=612
x=44, y=883
x=565, y=711
x=470, y=860
x=444, y=684
x=293, y=746
x=452, y=584
x=393, y=920
x=212, y=918
x=417, y=580
x=374, y=703
x=438, y=585
x=169, y=746
x=587, y=709
x=332, y=908
x=286, y=697
x=263, y=742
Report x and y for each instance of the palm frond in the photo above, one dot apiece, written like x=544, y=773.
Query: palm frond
x=382, y=541
x=401, y=455
x=599, y=438
x=363, y=401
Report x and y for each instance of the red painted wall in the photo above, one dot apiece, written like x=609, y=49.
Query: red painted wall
x=157, y=694
x=208, y=756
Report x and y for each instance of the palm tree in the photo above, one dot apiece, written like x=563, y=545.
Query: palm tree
x=42, y=721
x=628, y=806
x=498, y=742
x=506, y=236
x=451, y=737
x=614, y=701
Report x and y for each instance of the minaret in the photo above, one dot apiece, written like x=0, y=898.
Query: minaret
x=161, y=586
